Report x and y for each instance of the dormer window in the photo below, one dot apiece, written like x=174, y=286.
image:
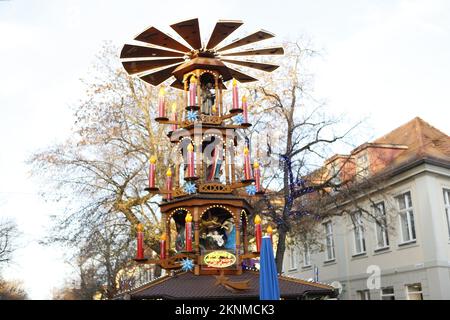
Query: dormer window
x=362, y=166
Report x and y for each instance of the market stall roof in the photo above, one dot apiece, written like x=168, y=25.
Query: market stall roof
x=186, y=285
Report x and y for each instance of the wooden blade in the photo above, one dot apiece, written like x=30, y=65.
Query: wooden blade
x=241, y=77
x=133, y=67
x=222, y=30
x=133, y=51
x=189, y=30
x=159, y=38
x=255, y=65
x=254, y=37
x=177, y=84
x=159, y=76
x=260, y=52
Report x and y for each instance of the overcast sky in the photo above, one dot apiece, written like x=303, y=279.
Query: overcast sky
x=386, y=60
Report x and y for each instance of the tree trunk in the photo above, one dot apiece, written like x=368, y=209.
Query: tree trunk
x=281, y=247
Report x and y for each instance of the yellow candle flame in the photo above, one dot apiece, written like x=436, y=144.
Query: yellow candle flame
x=174, y=107
x=214, y=109
x=162, y=92
x=255, y=164
x=257, y=219
x=140, y=227
x=234, y=82
x=169, y=172
x=153, y=159
x=188, y=218
x=244, y=99
x=193, y=80
x=269, y=229
x=190, y=148
x=245, y=151
x=164, y=237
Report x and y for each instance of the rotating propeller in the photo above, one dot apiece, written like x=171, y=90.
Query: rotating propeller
x=159, y=55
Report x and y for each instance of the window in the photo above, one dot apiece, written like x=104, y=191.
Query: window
x=362, y=166
x=387, y=293
x=407, y=228
x=306, y=256
x=414, y=291
x=447, y=208
x=329, y=240
x=381, y=234
x=292, y=259
x=358, y=231
x=363, y=294
x=335, y=173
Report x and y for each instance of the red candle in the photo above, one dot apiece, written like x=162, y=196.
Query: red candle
x=190, y=159
x=235, y=95
x=192, y=91
x=162, y=247
x=188, y=232
x=162, y=103
x=169, y=184
x=152, y=172
x=244, y=109
x=174, y=117
x=140, y=242
x=247, y=167
x=257, y=174
x=258, y=232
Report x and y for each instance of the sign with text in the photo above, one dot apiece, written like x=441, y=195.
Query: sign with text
x=219, y=259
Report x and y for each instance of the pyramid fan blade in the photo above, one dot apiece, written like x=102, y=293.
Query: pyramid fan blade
x=189, y=30
x=133, y=67
x=159, y=76
x=255, y=65
x=177, y=84
x=159, y=38
x=261, y=52
x=133, y=51
x=254, y=37
x=241, y=77
x=222, y=30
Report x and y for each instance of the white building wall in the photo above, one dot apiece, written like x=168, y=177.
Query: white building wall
x=426, y=261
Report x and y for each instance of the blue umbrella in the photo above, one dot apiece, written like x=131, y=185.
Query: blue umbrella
x=268, y=277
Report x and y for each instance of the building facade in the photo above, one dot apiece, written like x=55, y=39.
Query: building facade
x=398, y=245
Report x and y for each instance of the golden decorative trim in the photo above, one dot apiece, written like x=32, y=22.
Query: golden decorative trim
x=179, y=192
x=210, y=119
x=214, y=188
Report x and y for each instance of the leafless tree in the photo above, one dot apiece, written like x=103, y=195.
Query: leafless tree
x=12, y=290
x=294, y=134
x=8, y=240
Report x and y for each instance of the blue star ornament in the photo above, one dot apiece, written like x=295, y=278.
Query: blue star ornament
x=239, y=119
x=251, y=190
x=190, y=188
x=187, y=264
x=192, y=116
